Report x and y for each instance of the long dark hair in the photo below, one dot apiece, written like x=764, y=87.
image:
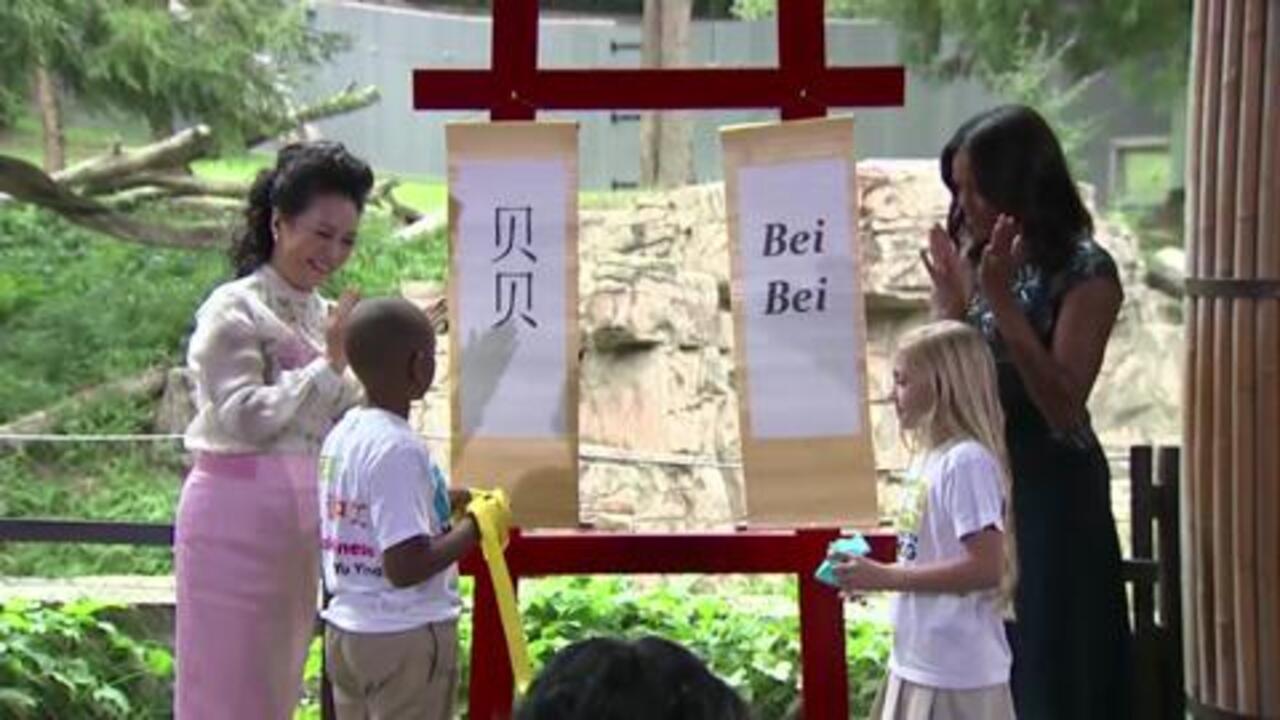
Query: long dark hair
x=302, y=171
x=1021, y=170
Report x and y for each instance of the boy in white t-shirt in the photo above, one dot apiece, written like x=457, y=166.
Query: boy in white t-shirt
x=389, y=550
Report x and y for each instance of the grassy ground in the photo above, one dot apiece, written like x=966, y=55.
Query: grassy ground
x=24, y=138
x=78, y=309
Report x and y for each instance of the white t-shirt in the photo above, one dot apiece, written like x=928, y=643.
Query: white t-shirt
x=378, y=488
x=947, y=640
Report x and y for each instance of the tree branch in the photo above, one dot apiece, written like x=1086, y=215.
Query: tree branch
x=100, y=172
x=30, y=184
x=349, y=100
x=383, y=194
x=175, y=185
x=147, y=383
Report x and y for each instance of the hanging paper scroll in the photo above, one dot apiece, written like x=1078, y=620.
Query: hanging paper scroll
x=513, y=299
x=800, y=323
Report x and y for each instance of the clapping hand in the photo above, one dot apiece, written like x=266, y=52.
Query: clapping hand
x=952, y=277
x=1000, y=257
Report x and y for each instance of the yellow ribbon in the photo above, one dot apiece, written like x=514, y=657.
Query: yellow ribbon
x=493, y=516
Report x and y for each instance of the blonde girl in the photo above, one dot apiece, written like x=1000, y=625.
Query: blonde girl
x=950, y=657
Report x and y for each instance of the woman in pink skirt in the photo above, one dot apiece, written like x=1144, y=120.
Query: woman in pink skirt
x=267, y=354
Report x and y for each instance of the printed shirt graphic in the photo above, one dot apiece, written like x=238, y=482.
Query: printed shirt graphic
x=910, y=508
x=378, y=488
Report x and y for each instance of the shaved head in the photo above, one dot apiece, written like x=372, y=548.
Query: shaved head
x=382, y=336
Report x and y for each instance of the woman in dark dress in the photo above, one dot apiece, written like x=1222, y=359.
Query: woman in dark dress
x=1018, y=261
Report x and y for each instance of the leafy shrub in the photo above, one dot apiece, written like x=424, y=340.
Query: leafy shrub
x=748, y=634
x=71, y=662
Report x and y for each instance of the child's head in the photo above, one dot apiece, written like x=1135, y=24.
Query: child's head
x=645, y=679
x=391, y=347
x=944, y=386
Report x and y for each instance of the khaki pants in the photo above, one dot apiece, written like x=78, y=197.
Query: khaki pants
x=409, y=675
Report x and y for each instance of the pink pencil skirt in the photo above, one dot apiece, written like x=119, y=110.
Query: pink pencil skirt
x=247, y=556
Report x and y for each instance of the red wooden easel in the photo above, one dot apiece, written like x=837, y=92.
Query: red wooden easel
x=802, y=86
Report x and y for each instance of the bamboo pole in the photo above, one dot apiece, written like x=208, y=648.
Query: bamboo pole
x=1189, y=497
x=1203, y=372
x=1268, y=358
x=1244, y=476
x=1223, y=357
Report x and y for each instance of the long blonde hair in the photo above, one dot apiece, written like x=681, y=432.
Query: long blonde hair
x=953, y=359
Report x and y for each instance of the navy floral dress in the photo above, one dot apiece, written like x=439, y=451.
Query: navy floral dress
x=1071, y=639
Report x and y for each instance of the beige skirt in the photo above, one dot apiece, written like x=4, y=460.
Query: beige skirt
x=899, y=699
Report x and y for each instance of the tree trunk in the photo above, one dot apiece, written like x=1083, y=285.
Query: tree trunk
x=50, y=105
x=666, y=147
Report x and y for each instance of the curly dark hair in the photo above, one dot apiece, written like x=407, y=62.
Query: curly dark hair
x=302, y=172
x=1021, y=170
x=645, y=679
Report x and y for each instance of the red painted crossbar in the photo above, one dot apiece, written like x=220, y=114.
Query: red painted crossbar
x=672, y=89
x=824, y=680
x=801, y=86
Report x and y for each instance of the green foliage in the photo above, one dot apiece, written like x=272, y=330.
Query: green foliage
x=24, y=138
x=380, y=262
x=1145, y=175
x=760, y=9
x=1147, y=36
x=422, y=195
x=1033, y=79
x=228, y=63
x=754, y=651
x=34, y=32
x=746, y=631
x=1008, y=46
x=135, y=482
x=77, y=309
x=233, y=168
x=754, y=9
x=71, y=662
x=1147, y=41
x=66, y=322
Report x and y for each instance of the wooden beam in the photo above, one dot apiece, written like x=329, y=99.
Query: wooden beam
x=666, y=89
